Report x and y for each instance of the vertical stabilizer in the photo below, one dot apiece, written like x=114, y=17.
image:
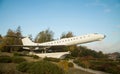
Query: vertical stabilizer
x=27, y=41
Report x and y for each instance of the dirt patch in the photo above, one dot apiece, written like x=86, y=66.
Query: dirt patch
x=77, y=71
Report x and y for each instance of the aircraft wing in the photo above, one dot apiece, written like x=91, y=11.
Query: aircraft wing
x=34, y=46
x=37, y=47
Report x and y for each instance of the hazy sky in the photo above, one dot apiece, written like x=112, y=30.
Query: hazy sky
x=78, y=16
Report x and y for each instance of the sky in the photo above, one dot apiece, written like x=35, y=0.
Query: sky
x=78, y=16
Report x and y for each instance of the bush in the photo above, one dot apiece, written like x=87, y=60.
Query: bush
x=5, y=50
x=18, y=59
x=5, y=59
x=40, y=67
x=52, y=59
x=24, y=53
x=23, y=67
x=45, y=67
x=106, y=66
x=18, y=54
x=83, y=63
x=70, y=64
x=64, y=64
x=35, y=56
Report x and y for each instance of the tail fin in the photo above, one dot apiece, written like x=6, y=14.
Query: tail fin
x=27, y=41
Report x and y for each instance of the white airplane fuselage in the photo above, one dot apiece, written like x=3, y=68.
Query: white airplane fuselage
x=67, y=41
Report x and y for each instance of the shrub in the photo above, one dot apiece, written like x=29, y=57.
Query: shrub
x=69, y=56
x=18, y=54
x=24, y=66
x=5, y=59
x=106, y=66
x=18, y=59
x=45, y=67
x=78, y=62
x=35, y=56
x=24, y=53
x=40, y=67
x=83, y=63
x=70, y=64
x=5, y=50
x=52, y=59
x=63, y=64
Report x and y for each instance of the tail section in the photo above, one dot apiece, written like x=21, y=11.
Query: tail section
x=27, y=41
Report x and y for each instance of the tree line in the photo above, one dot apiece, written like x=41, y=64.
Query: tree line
x=13, y=37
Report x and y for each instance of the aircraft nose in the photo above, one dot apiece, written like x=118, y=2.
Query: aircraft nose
x=104, y=36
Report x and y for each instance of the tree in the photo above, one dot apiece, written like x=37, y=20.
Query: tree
x=44, y=36
x=10, y=40
x=67, y=35
x=18, y=32
x=83, y=51
x=18, y=35
x=0, y=36
x=1, y=42
x=13, y=38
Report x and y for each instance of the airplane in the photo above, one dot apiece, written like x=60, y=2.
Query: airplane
x=28, y=44
x=65, y=41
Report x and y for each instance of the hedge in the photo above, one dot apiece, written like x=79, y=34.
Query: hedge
x=7, y=59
